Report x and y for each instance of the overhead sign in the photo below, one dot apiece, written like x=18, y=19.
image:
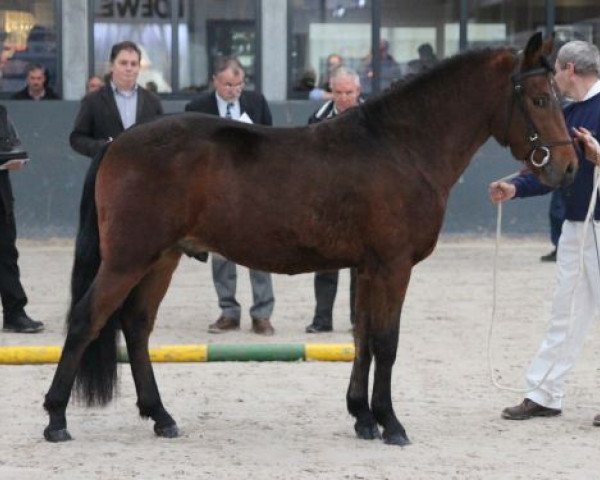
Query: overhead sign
x=137, y=9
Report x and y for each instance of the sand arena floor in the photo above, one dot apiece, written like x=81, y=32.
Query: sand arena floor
x=289, y=420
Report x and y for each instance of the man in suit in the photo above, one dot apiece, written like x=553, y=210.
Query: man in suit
x=345, y=91
x=12, y=157
x=118, y=105
x=36, y=88
x=229, y=100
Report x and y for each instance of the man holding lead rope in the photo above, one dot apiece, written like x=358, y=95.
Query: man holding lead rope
x=577, y=76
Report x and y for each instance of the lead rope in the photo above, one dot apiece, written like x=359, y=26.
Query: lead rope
x=588, y=217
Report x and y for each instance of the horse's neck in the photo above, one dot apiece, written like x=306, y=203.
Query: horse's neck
x=445, y=121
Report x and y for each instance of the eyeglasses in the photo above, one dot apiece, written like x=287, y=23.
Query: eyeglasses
x=233, y=86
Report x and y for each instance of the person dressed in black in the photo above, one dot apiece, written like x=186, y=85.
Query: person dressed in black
x=230, y=100
x=557, y=214
x=121, y=103
x=37, y=85
x=11, y=291
x=426, y=61
x=345, y=90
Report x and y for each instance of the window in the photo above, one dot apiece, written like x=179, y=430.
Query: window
x=577, y=21
x=504, y=22
x=319, y=29
x=205, y=29
x=414, y=34
x=27, y=35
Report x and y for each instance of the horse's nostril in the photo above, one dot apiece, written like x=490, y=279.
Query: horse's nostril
x=570, y=169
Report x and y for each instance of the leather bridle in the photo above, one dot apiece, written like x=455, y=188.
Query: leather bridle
x=533, y=137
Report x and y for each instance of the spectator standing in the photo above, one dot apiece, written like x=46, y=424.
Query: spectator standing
x=390, y=69
x=557, y=217
x=230, y=100
x=11, y=291
x=323, y=91
x=426, y=61
x=345, y=90
x=118, y=105
x=36, y=88
x=94, y=84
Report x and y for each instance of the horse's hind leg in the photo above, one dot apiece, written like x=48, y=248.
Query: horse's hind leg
x=357, y=398
x=89, y=316
x=137, y=319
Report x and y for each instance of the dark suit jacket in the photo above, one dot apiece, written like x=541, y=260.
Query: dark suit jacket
x=98, y=119
x=6, y=195
x=252, y=103
x=24, y=95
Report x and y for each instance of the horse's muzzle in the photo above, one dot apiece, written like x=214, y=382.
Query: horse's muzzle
x=569, y=175
x=554, y=174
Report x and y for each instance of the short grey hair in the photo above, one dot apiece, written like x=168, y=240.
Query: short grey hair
x=342, y=71
x=225, y=63
x=584, y=56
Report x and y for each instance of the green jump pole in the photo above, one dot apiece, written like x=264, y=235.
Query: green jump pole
x=255, y=352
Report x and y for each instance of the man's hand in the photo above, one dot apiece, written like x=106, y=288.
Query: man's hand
x=590, y=146
x=13, y=166
x=501, y=191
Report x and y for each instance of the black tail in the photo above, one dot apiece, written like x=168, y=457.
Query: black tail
x=97, y=374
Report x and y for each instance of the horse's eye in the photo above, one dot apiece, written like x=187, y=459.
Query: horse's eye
x=541, y=102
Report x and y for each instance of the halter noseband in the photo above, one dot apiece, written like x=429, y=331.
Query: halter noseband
x=533, y=136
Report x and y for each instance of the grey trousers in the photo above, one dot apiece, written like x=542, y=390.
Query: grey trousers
x=225, y=280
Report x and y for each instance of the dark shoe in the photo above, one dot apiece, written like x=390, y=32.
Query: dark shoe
x=551, y=257
x=596, y=422
x=529, y=409
x=318, y=328
x=262, y=326
x=224, y=324
x=21, y=323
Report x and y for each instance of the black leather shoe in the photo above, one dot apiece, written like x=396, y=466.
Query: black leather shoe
x=596, y=422
x=550, y=257
x=317, y=328
x=529, y=409
x=21, y=323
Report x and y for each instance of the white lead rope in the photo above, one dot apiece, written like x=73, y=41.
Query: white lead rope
x=588, y=219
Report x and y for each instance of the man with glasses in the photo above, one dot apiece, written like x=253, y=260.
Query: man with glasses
x=230, y=100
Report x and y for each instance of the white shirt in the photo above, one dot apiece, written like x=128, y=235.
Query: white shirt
x=126, y=101
x=235, y=110
x=594, y=90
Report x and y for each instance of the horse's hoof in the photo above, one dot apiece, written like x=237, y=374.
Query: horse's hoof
x=167, y=431
x=396, y=439
x=54, y=436
x=367, y=431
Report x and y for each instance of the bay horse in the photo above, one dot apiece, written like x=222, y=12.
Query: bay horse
x=367, y=189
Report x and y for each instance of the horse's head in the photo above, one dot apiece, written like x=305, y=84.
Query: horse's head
x=535, y=126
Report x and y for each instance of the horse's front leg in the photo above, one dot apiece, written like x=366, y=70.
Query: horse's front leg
x=387, y=297
x=357, y=398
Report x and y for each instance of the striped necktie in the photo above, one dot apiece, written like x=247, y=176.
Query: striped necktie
x=228, y=111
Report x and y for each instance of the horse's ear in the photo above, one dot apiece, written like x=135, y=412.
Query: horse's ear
x=532, y=51
x=548, y=45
